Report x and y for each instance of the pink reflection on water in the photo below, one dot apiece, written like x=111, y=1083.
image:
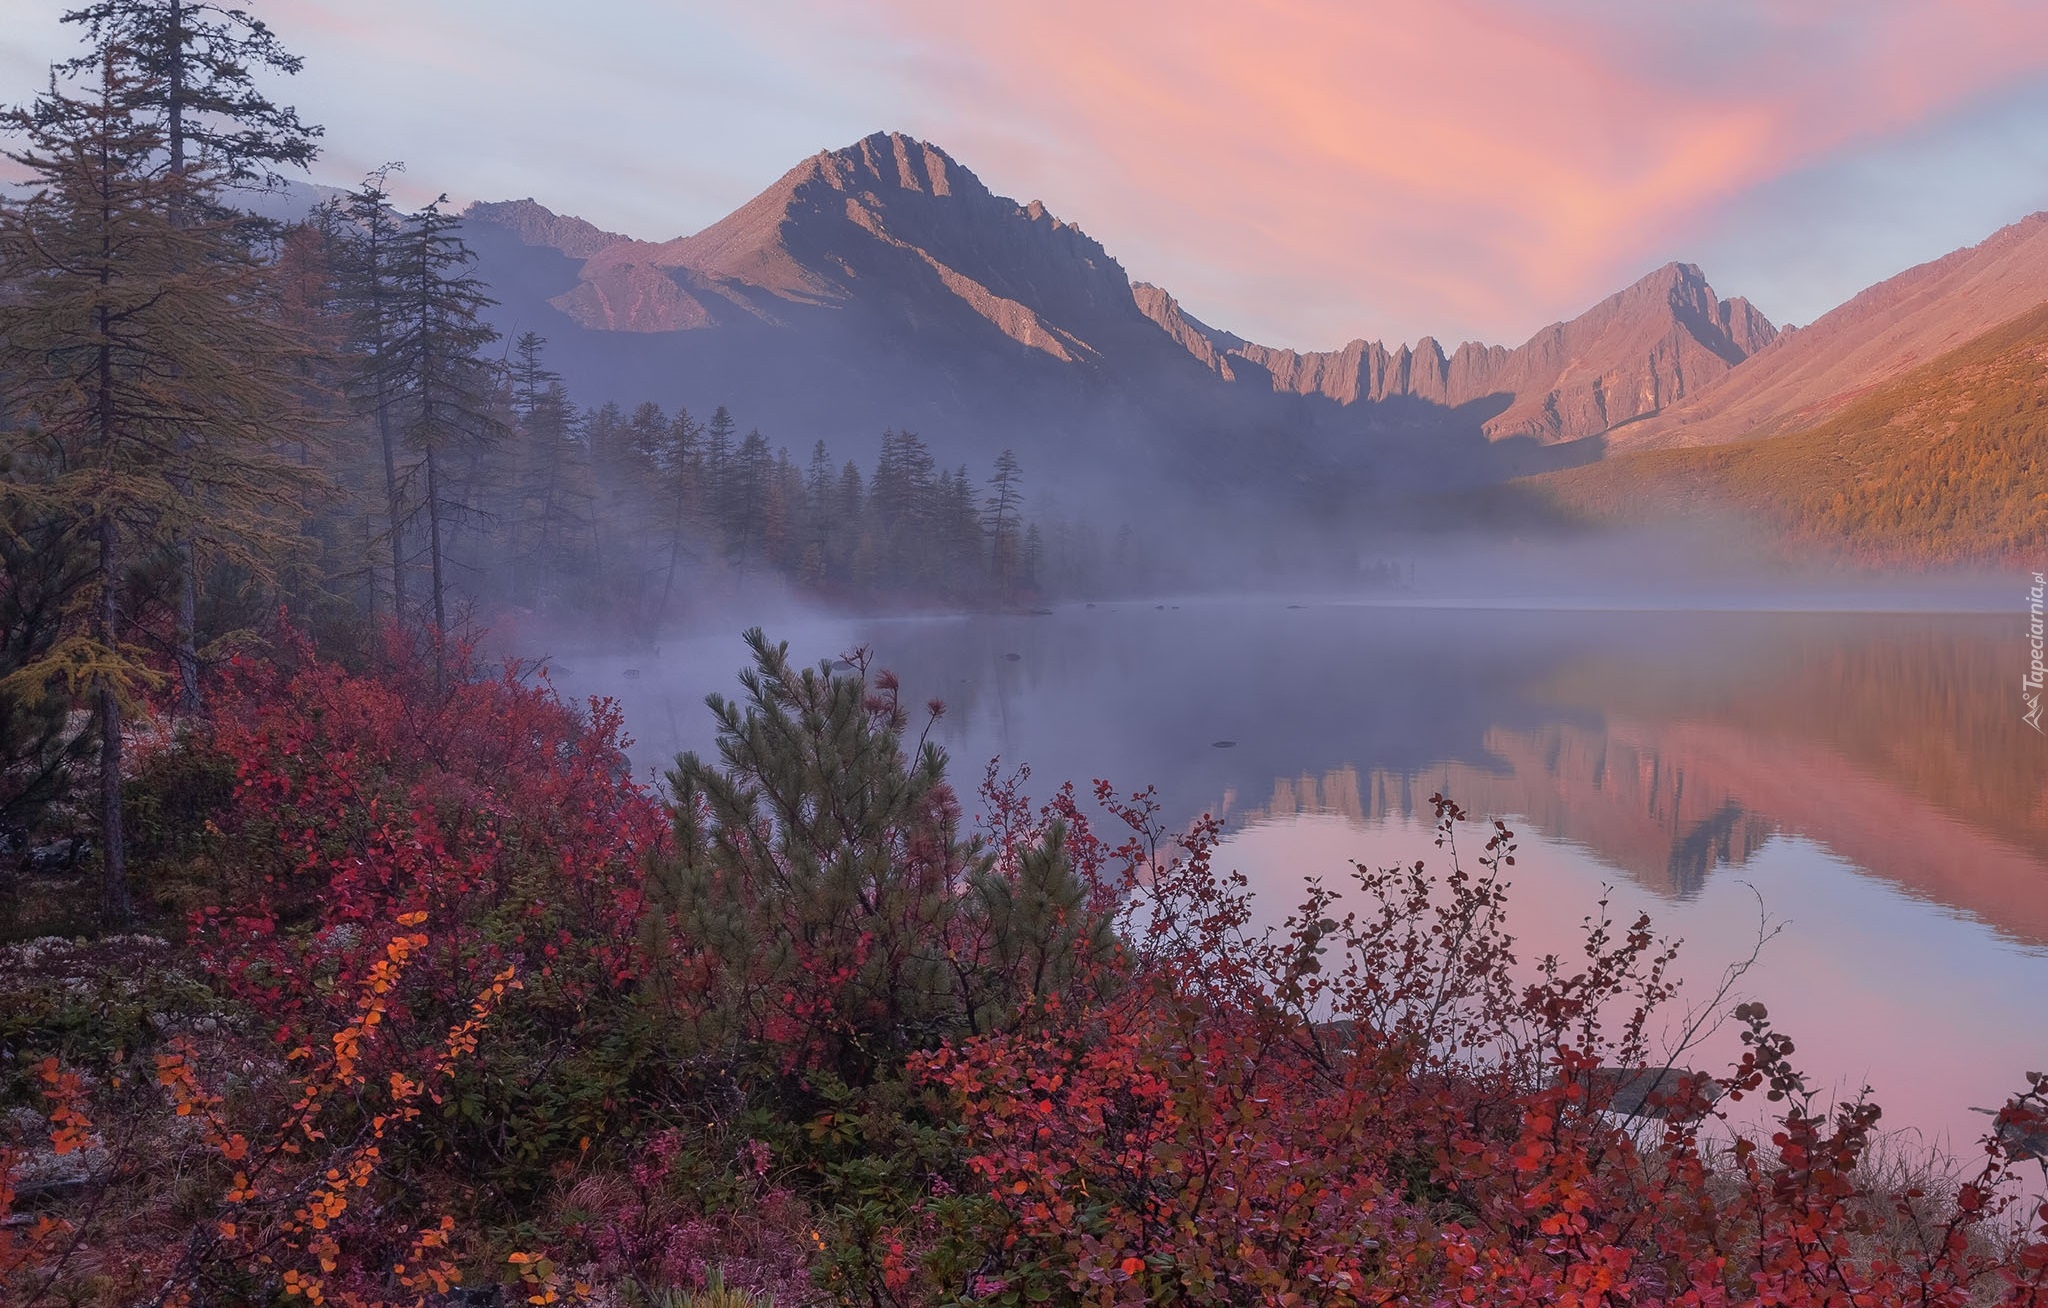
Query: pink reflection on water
x=1934, y=1010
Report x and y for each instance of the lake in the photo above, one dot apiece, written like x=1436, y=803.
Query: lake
x=1862, y=781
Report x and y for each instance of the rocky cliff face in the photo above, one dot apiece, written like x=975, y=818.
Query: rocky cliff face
x=1881, y=333
x=893, y=239
x=888, y=226
x=535, y=224
x=884, y=284
x=890, y=246
x=1634, y=353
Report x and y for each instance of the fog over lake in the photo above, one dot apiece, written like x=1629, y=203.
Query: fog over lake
x=1863, y=779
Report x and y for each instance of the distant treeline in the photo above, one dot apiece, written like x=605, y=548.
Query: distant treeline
x=208, y=420
x=631, y=514
x=494, y=485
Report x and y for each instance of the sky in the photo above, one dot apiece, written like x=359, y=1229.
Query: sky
x=1301, y=172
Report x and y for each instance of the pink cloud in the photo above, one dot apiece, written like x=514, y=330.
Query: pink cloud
x=1300, y=170
x=1464, y=162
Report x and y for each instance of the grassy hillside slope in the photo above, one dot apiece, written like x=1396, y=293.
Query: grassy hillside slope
x=1946, y=465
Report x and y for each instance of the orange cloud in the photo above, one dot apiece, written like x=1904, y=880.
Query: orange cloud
x=1460, y=162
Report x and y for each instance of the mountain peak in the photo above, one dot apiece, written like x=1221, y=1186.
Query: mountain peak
x=894, y=161
x=892, y=232
x=1879, y=333
x=1631, y=354
x=536, y=224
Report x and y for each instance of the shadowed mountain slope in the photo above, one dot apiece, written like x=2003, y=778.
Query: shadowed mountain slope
x=884, y=285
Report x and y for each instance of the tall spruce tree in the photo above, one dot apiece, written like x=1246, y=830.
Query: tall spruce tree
x=370, y=293
x=1002, y=511
x=541, y=495
x=720, y=503
x=902, y=509
x=678, y=459
x=745, y=500
x=193, y=67
x=449, y=389
x=144, y=374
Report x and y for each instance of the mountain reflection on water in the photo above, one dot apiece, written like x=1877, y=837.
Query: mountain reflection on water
x=1867, y=774
x=1669, y=745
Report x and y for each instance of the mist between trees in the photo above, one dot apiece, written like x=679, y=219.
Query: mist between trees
x=207, y=418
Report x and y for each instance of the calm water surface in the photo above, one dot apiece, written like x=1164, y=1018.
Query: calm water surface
x=1863, y=780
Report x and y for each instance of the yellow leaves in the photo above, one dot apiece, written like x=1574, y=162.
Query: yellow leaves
x=462, y=1037
x=416, y=1273
x=79, y=664
x=411, y=919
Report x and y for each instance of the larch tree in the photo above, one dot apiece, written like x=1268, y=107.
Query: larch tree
x=678, y=458
x=370, y=294
x=450, y=401
x=194, y=67
x=145, y=376
x=1002, y=512
x=544, y=418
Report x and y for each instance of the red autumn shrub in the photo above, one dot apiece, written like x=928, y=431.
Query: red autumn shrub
x=427, y=904
x=842, y=1048
x=488, y=803
x=1373, y=1109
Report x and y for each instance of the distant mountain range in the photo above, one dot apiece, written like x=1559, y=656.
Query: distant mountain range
x=883, y=285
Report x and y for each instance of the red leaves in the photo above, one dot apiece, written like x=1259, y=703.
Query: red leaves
x=1402, y=1123
x=376, y=798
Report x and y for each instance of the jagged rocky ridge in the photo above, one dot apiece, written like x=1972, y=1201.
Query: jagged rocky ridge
x=884, y=285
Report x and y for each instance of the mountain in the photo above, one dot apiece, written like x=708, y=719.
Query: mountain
x=884, y=285
x=877, y=286
x=1630, y=355
x=1894, y=326
x=1944, y=464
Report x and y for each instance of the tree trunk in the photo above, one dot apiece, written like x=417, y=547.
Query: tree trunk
x=394, y=504
x=434, y=546
x=188, y=578
x=675, y=552
x=114, y=906
x=188, y=627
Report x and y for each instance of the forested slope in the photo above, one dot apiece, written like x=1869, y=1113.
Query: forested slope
x=1943, y=466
